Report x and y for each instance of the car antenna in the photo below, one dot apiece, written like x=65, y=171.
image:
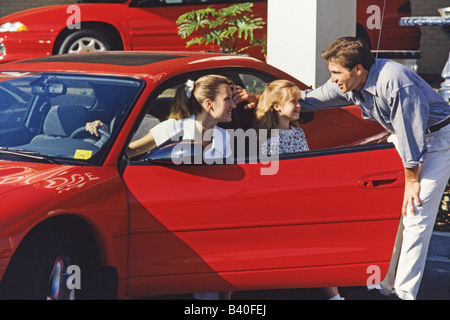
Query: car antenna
x=381, y=27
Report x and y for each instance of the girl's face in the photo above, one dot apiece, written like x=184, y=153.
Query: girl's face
x=290, y=110
x=223, y=104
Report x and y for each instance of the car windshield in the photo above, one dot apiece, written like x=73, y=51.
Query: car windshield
x=44, y=115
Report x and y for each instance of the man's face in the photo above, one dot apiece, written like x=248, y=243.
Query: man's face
x=347, y=80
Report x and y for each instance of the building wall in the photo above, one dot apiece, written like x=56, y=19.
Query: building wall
x=435, y=45
x=10, y=6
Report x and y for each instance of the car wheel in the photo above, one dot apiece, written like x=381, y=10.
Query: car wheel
x=58, y=289
x=85, y=41
x=40, y=269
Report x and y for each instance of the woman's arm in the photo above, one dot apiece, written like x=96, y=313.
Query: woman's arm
x=142, y=145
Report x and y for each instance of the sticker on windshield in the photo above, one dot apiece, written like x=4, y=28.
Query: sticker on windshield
x=82, y=154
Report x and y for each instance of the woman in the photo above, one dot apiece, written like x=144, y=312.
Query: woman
x=196, y=110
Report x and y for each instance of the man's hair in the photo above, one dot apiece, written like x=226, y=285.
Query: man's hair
x=349, y=52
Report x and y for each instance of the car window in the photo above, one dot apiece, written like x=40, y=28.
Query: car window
x=13, y=104
x=253, y=80
x=253, y=83
x=159, y=109
x=46, y=113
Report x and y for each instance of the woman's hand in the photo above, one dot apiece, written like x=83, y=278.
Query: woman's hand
x=92, y=127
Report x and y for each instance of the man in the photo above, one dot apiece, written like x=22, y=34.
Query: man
x=419, y=121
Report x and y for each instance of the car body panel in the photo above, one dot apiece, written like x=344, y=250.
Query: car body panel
x=393, y=36
x=307, y=219
x=278, y=221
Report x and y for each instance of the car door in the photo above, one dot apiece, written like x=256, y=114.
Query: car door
x=152, y=24
x=304, y=219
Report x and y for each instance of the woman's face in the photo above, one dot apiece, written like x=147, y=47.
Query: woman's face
x=222, y=106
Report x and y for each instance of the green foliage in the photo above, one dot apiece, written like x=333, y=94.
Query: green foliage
x=223, y=27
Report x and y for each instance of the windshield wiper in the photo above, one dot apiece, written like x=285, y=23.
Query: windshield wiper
x=26, y=153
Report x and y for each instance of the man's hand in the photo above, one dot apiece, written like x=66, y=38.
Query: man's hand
x=412, y=189
x=242, y=95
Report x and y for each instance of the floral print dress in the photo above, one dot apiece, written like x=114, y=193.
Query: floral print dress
x=286, y=141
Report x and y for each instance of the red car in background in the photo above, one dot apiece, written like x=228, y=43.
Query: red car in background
x=73, y=204
x=150, y=25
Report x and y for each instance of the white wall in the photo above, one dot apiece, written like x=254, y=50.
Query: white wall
x=298, y=31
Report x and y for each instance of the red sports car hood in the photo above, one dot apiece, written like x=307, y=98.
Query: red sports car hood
x=14, y=175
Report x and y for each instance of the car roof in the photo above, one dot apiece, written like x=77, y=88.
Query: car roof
x=129, y=62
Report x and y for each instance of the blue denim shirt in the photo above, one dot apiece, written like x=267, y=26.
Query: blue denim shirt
x=396, y=97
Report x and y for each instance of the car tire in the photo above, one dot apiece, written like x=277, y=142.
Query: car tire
x=43, y=262
x=88, y=40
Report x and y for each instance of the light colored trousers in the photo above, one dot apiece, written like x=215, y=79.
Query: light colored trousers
x=414, y=232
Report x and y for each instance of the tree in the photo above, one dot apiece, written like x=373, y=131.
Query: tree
x=224, y=28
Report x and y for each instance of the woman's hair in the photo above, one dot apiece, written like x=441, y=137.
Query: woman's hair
x=349, y=52
x=277, y=93
x=189, y=97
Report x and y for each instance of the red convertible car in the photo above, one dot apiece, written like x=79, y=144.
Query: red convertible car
x=135, y=227
x=132, y=25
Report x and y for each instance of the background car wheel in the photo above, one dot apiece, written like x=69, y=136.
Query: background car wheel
x=86, y=41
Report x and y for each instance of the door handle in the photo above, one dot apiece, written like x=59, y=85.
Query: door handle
x=389, y=179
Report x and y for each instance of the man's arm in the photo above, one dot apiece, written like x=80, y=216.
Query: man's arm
x=242, y=95
x=324, y=97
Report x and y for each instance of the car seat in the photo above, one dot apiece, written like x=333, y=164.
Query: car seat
x=61, y=121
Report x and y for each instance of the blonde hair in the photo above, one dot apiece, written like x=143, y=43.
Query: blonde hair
x=276, y=93
x=206, y=87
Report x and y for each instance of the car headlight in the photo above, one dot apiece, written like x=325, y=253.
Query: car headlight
x=13, y=27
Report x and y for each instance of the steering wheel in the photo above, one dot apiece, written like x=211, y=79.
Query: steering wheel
x=104, y=135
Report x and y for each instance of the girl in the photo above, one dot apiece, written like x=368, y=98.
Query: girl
x=278, y=111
